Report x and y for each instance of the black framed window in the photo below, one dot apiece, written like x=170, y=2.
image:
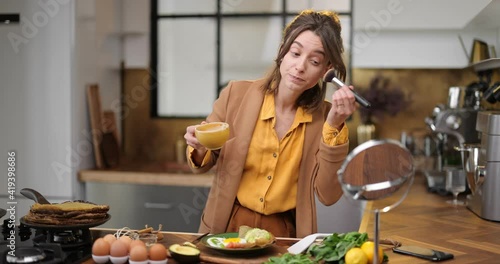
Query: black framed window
x=198, y=46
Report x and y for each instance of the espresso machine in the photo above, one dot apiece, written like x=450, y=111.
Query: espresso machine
x=484, y=168
x=452, y=125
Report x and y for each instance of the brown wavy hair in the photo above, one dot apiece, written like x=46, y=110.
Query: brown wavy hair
x=326, y=25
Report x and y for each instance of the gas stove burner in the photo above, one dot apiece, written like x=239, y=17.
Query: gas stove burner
x=26, y=255
x=24, y=232
x=64, y=237
x=55, y=245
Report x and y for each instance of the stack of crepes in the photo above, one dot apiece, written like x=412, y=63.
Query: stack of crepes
x=67, y=213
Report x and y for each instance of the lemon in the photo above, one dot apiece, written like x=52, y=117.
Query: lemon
x=355, y=256
x=369, y=248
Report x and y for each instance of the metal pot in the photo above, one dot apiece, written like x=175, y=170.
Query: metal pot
x=470, y=161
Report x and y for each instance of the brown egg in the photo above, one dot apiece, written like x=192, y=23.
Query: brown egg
x=118, y=249
x=100, y=247
x=139, y=253
x=135, y=243
x=109, y=238
x=126, y=239
x=157, y=252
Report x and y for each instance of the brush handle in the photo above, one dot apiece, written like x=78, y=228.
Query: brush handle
x=360, y=99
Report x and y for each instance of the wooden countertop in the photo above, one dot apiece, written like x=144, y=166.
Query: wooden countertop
x=425, y=219
x=151, y=173
x=422, y=219
x=209, y=255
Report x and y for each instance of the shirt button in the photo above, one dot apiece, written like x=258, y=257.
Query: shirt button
x=269, y=177
x=261, y=200
x=335, y=133
x=275, y=155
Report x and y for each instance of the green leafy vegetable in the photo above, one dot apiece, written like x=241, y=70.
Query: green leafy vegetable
x=288, y=258
x=334, y=247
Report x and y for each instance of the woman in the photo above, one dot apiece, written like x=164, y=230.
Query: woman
x=286, y=142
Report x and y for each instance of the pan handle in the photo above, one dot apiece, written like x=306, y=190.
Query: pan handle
x=34, y=195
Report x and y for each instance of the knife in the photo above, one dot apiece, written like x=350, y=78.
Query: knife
x=196, y=240
x=305, y=242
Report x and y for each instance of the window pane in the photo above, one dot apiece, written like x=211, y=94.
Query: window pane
x=186, y=67
x=249, y=47
x=346, y=31
x=335, y=5
x=253, y=6
x=178, y=7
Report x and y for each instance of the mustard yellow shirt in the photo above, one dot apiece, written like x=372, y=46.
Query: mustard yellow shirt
x=270, y=176
x=269, y=180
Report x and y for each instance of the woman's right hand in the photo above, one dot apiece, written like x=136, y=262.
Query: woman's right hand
x=191, y=140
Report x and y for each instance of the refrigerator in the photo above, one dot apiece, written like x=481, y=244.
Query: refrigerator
x=46, y=61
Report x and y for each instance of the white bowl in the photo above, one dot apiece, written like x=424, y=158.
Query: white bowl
x=138, y=262
x=100, y=259
x=158, y=261
x=118, y=260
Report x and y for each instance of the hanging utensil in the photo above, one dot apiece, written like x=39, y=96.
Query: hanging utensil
x=34, y=195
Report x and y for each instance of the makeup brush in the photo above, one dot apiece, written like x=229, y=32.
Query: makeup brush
x=331, y=77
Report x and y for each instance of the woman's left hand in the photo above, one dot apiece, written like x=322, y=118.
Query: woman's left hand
x=343, y=105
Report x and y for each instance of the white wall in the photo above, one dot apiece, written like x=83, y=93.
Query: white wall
x=97, y=57
x=136, y=28
x=421, y=34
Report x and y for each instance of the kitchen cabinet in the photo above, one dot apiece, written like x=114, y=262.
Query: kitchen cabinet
x=342, y=217
x=421, y=34
x=176, y=208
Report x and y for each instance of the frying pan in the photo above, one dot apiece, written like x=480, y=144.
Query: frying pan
x=39, y=198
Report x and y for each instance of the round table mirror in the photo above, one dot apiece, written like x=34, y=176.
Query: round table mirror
x=379, y=172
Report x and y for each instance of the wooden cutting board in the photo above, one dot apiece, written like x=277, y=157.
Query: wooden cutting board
x=95, y=113
x=209, y=255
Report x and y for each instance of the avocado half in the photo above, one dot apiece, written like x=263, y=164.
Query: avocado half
x=184, y=254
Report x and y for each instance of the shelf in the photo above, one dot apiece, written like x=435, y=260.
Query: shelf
x=485, y=65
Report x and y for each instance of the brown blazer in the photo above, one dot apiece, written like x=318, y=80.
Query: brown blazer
x=239, y=105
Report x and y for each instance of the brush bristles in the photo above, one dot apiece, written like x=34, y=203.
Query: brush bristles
x=329, y=75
